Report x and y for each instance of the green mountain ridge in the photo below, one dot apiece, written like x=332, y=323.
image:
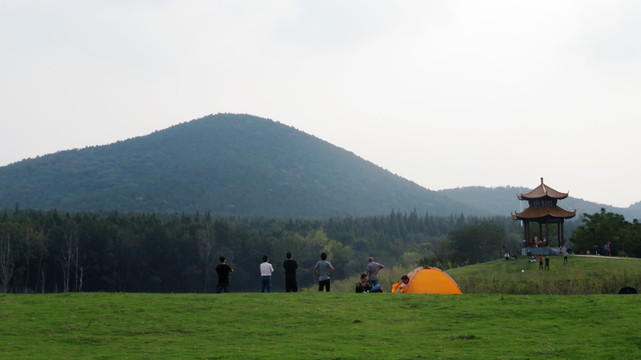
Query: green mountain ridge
x=240, y=164
x=503, y=201
x=224, y=163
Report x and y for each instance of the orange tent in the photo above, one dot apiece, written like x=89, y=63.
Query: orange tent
x=428, y=280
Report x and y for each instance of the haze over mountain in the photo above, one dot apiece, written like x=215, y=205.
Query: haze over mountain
x=237, y=164
x=223, y=163
x=503, y=201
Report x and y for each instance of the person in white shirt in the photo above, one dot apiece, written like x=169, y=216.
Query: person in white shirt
x=266, y=270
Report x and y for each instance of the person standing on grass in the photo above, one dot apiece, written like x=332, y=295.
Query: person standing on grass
x=223, y=270
x=540, y=261
x=266, y=270
x=372, y=271
x=547, y=262
x=290, y=266
x=565, y=257
x=323, y=269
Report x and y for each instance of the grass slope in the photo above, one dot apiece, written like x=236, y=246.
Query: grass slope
x=581, y=275
x=312, y=325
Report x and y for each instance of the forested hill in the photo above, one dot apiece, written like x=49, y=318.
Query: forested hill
x=225, y=163
x=503, y=201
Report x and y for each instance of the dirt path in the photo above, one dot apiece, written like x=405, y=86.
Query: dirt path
x=607, y=257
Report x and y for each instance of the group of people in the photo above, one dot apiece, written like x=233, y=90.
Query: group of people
x=369, y=279
x=547, y=261
x=290, y=265
x=536, y=242
x=544, y=263
x=323, y=270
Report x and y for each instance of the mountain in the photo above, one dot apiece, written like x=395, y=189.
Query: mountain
x=495, y=201
x=241, y=164
x=224, y=163
x=504, y=201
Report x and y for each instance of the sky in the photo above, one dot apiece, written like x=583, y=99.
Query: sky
x=446, y=94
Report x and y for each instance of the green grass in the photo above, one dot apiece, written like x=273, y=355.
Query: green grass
x=505, y=313
x=312, y=325
x=581, y=275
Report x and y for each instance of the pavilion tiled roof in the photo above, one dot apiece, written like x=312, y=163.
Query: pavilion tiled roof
x=543, y=212
x=542, y=191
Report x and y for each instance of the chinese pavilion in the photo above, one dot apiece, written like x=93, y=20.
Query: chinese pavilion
x=543, y=210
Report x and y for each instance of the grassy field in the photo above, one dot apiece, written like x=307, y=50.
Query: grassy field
x=581, y=275
x=312, y=325
x=344, y=325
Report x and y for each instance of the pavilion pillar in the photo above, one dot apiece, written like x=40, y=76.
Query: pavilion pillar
x=547, y=233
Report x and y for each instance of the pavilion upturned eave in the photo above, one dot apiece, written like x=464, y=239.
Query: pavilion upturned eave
x=542, y=191
x=540, y=213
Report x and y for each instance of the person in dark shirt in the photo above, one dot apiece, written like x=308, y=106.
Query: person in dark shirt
x=364, y=286
x=290, y=266
x=223, y=270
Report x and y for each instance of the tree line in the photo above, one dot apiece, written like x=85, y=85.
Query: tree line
x=52, y=251
x=622, y=237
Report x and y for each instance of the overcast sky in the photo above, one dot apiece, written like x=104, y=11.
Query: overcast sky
x=444, y=93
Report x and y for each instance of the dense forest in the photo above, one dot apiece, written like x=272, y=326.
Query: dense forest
x=51, y=251
x=224, y=163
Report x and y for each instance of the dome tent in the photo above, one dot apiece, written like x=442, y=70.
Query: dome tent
x=428, y=280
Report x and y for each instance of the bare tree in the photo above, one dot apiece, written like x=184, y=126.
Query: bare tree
x=43, y=251
x=82, y=272
x=43, y=281
x=206, y=245
x=32, y=246
x=69, y=256
x=77, y=267
x=7, y=261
